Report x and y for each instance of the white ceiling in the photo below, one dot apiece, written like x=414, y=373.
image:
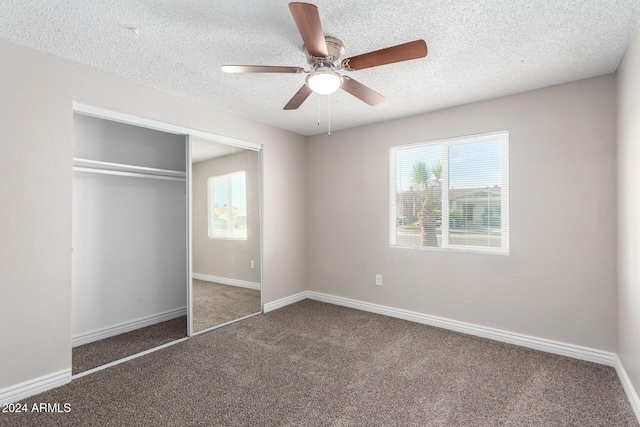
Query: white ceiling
x=477, y=49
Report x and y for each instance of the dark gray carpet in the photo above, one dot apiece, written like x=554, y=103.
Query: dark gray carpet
x=215, y=304
x=98, y=353
x=312, y=364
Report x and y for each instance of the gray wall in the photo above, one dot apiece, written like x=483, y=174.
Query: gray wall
x=628, y=345
x=558, y=282
x=226, y=258
x=36, y=122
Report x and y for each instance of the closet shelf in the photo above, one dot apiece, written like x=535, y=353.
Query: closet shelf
x=97, y=166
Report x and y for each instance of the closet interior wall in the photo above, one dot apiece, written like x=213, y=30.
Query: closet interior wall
x=129, y=228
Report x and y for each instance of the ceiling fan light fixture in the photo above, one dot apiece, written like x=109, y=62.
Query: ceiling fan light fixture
x=324, y=81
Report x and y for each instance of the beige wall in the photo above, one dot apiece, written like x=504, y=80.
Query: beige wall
x=628, y=343
x=226, y=258
x=558, y=282
x=36, y=95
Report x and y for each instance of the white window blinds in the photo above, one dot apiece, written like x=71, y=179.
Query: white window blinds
x=451, y=193
x=228, y=206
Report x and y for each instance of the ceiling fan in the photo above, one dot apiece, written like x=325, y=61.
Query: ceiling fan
x=325, y=58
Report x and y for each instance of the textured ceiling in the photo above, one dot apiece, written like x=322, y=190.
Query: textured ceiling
x=477, y=49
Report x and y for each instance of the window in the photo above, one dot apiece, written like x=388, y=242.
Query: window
x=227, y=206
x=452, y=194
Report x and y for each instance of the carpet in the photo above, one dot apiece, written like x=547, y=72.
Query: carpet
x=215, y=304
x=316, y=364
x=98, y=353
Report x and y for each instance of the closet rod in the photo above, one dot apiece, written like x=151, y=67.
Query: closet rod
x=130, y=174
x=98, y=164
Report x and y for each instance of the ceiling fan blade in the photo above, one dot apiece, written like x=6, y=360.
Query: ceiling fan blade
x=402, y=52
x=308, y=22
x=360, y=91
x=260, y=69
x=298, y=98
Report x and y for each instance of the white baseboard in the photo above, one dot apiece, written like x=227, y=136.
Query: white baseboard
x=549, y=346
x=121, y=328
x=634, y=400
x=226, y=281
x=25, y=389
x=274, y=305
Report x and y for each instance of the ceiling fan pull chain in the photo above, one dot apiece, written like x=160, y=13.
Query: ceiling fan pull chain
x=329, y=98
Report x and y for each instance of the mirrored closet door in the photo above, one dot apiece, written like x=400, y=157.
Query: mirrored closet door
x=225, y=233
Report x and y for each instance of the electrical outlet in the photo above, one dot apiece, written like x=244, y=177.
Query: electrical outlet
x=253, y=264
x=379, y=279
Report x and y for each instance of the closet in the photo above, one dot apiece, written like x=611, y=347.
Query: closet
x=146, y=225
x=129, y=228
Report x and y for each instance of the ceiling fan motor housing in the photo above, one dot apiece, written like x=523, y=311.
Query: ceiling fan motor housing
x=335, y=48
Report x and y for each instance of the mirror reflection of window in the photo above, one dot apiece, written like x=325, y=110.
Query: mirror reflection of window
x=225, y=234
x=227, y=207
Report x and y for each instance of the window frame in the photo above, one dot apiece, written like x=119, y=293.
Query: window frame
x=503, y=136
x=211, y=215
